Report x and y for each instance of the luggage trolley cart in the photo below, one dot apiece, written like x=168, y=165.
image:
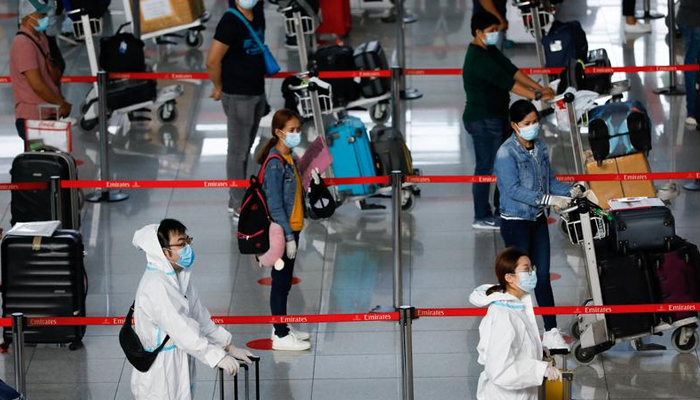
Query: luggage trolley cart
x=522, y=25
x=584, y=224
x=86, y=28
x=193, y=36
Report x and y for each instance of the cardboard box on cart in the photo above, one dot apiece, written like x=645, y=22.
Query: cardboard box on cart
x=157, y=15
x=630, y=164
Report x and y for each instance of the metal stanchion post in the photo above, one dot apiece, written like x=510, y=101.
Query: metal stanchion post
x=576, y=142
x=407, y=94
x=672, y=89
x=55, y=198
x=18, y=341
x=537, y=25
x=136, y=17
x=398, y=120
x=648, y=13
x=396, y=193
x=104, y=194
x=407, y=315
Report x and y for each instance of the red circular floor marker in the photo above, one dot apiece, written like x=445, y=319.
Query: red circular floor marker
x=268, y=281
x=551, y=220
x=260, y=344
x=554, y=276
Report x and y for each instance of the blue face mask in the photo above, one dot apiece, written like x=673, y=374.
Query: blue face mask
x=186, y=257
x=292, y=140
x=247, y=4
x=492, y=38
x=43, y=24
x=529, y=132
x=528, y=281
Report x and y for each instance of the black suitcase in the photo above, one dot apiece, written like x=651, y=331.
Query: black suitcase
x=122, y=52
x=390, y=151
x=626, y=280
x=95, y=8
x=369, y=56
x=245, y=368
x=122, y=93
x=34, y=205
x=45, y=277
x=599, y=83
x=338, y=58
x=643, y=229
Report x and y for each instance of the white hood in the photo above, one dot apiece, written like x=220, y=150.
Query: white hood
x=479, y=297
x=146, y=239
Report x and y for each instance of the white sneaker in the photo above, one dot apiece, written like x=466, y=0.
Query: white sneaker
x=553, y=339
x=691, y=121
x=301, y=335
x=289, y=343
x=637, y=28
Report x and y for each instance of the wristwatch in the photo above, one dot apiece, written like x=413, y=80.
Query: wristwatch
x=538, y=95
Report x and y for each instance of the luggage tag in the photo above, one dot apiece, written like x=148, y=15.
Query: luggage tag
x=556, y=46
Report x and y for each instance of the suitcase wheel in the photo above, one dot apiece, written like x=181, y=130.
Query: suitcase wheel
x=583, y=356
x=685, y=339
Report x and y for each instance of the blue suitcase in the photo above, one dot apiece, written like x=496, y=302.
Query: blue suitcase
x=352, y=157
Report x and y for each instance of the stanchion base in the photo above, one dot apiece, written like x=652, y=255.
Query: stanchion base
x=411, y=94
x=407, y=19
x=109, y=196
x=648, y=15
x=670, y=91
x=382, y=309
x=693, y=186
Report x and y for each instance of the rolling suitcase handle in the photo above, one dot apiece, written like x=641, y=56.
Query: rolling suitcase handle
x=246, y=368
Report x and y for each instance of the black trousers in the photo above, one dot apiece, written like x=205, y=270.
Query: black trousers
x=628, y=7
x=279, y=293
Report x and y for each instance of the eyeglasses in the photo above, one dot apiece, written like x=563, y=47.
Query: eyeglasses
x=183, y=242
x=530, y=271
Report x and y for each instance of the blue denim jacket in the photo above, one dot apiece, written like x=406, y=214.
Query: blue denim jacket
x=280, y=187
x=524, y=179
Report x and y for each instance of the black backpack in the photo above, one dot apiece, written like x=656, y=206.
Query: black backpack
x=122, y=52
x=254, y=220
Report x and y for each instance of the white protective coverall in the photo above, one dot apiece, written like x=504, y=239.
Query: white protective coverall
x=166, y=304
x=509, y=347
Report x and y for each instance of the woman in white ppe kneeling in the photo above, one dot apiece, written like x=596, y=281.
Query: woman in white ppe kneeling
x=167, y=304
x=510, y=348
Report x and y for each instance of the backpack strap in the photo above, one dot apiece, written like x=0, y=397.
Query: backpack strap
x=128, y=324
x=261, y=174
x=38, y=46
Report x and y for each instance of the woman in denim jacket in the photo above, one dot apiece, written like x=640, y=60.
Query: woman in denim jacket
x=528, y=186
x=285, y=201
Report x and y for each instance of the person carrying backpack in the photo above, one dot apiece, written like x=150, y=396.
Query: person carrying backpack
x=281, y=182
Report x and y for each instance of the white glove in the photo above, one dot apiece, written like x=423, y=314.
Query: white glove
x=240, y=354
x=291, y=250
x=578, y=190
x=558, y=202
x=229, y=365
x=590, y=195
x=316, y=176
x=552, y=374
x=279, y=265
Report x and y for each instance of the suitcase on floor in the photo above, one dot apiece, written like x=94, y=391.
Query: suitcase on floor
x=390, y=151
x=45, y=277
x=599, y=83
x=246, y=381
x=123, y=93
x=643, y=229
x=338, y=58
x=558, y=390
x=626, y=280
x=34, y=205
x=564, y=42
x=369, y=56
x=337, y=19
x=349, y=145
x=677, y=277
x=619, y=129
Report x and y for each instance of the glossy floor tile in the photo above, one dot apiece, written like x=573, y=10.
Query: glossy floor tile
x=344, y=263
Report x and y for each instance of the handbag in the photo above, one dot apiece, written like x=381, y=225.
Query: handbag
x=271, y=66
x=130, y=343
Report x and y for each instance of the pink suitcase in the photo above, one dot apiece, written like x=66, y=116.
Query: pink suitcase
x=678, y=275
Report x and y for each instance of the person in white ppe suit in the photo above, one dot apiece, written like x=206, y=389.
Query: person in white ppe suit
x=167, y=304
x=510, y=348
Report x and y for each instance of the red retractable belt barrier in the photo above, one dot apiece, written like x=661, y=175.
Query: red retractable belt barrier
x=372, y=317
x=23, y=186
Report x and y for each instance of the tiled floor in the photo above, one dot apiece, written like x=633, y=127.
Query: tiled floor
x=345, y=263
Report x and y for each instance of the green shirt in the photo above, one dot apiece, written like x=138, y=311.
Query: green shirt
x=488, y=77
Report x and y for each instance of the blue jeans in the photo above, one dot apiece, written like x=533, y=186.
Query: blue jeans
x=488, y=135
x=279, y=293
x=532, y=237
x=691, y=39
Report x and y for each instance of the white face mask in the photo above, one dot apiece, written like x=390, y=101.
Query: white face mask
x=247, y=4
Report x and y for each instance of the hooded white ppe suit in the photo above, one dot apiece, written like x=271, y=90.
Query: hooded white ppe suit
x=166, y=304
x=509, y=347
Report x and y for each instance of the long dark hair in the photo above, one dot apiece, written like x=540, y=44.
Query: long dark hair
x=506, y=263
x=521, y=109
x=279, y=120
